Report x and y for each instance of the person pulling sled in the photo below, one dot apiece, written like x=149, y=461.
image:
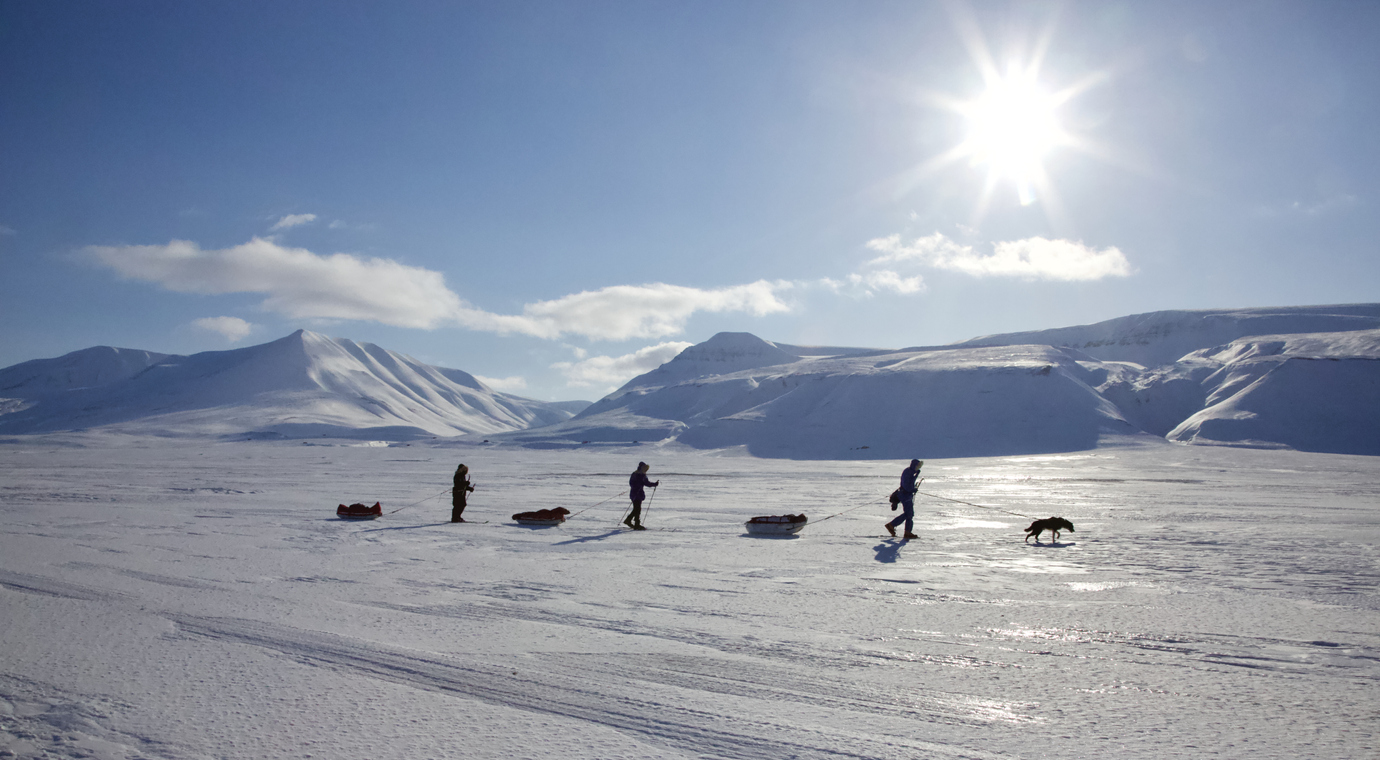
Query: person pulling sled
x=905, y=495
x=458, y=493
x=638, y=481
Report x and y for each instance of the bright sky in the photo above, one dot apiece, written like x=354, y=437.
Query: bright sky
x=557, y=196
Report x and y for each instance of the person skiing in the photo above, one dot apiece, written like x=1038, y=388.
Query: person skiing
x=638, y=481
x=907, y=492
x=458, y=493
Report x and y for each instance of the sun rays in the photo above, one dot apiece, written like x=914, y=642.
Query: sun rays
x=1015, y=125
x=1012, y=126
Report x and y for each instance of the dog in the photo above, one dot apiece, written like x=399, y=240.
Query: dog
x=1051, y=524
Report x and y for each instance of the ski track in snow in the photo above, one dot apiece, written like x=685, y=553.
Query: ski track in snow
x=1212, y=603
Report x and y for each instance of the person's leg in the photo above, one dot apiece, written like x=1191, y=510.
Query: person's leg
x=634, y=517
x=907, y=515
x=897, y=520
x=457, y=508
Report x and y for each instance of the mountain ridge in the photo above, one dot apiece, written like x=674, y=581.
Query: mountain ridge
x=1012, y=394
x=1299, y=385
x=302, y=384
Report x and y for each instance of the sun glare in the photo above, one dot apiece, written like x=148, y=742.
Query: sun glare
x=1012, y=127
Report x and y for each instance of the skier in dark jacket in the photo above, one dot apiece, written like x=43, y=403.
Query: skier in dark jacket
x=907, y=491
x=638, y=481
x=458, y=492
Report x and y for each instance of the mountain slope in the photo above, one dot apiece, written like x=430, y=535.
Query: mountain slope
x=1163, y=337
x=1317, y=392
x=87, y=368
x=900, y=404
x=1309, y=389
x=303, y=384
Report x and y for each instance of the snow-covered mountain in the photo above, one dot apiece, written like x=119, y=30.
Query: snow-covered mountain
x=1305, y=378
x=305, y=384
x=1162, y=337
x=1314, y=386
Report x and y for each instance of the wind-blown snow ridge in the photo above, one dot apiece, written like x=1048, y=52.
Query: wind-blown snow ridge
x=305, y=384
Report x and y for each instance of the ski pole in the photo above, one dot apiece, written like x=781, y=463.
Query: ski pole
x=648, y=510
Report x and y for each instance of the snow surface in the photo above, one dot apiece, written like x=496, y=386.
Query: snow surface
x=183, y=599
x=303, y=385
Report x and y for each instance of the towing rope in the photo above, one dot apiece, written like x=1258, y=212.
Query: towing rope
x=415, y=503
x=971, y=504
x=592, y=506
x=850, y=509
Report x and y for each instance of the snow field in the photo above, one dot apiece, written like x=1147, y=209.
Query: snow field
x=201, y=600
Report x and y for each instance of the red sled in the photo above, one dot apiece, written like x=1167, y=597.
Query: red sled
x=359, y=512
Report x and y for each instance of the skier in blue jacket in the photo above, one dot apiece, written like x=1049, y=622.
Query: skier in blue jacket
x=638, y=481
x=907, y=491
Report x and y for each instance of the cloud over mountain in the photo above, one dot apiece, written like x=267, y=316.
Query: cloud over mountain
x=1035, y=258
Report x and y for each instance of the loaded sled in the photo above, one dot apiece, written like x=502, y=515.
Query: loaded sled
x=542, y=516
x=778, y=525
x=359, y=512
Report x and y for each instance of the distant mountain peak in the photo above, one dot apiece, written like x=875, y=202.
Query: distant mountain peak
x=301, y=384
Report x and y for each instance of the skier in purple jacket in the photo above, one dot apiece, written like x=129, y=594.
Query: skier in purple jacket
x=638, y=481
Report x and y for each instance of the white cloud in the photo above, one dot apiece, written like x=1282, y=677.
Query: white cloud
x=1033, y=258
x=304, y=285
x=877, y=280
x=613, y=371
x=7, y=230
x=233, y=328
x=506, y=384
x=297, y=282
x=622, y=312
x=293, y=220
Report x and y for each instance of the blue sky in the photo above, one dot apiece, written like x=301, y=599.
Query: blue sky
x=557, y=196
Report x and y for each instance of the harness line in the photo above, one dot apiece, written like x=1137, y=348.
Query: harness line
x=429, y=498
x=850, y=509
x=592, y=506
x=971, y=504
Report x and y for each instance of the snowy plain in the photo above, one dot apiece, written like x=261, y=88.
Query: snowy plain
x=195, y=599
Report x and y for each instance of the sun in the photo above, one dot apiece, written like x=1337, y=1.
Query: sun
x=1012, y=127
